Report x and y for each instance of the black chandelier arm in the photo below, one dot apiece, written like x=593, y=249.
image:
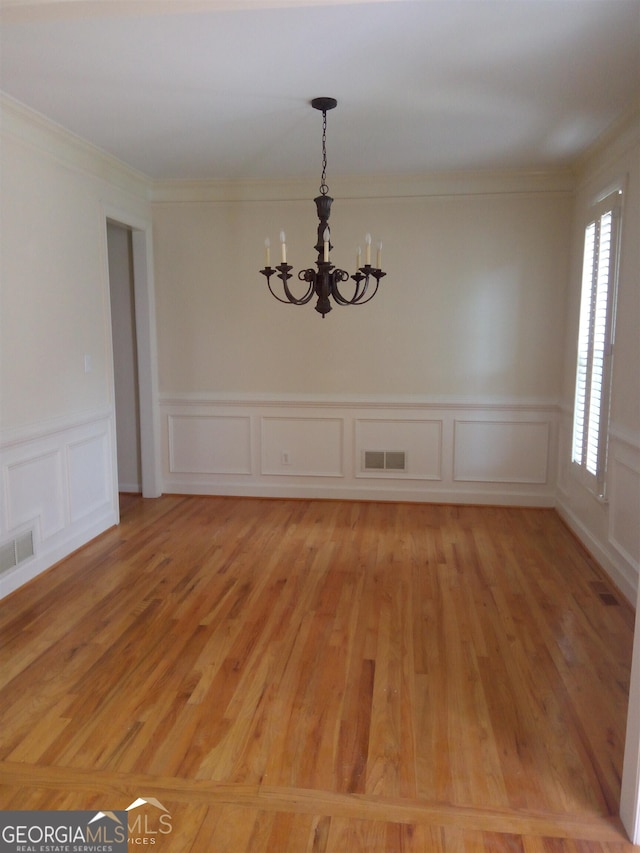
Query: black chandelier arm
x=377, y=275
x=284, y=276
x=339, y=275
x=361, y=300
x=362, y=279
x=296, y=300
x=324, y=282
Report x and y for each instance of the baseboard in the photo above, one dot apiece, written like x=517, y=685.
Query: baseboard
x=623, y=576
x=130, y=488
x=366, y=493
x=46, y=558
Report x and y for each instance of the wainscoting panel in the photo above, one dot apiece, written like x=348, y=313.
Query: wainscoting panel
x=34, y=489
x=501, y=451
x=59, y=486
x=302, y=447
x=564, y=451
x=624, y=515
x=209, y=444
x=89, y=475
x=608, y=528
x=299, y=446
x=420, y=440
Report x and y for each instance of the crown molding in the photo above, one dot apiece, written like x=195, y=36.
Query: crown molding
x=33, y=11
x=36, y=130
x=462, y=183
x=619, y=138
x=33, y=128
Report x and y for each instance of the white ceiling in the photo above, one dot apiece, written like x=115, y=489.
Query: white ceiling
x=221, y=90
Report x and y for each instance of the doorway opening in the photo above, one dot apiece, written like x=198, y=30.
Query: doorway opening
x=125, y=357
x=134, y=355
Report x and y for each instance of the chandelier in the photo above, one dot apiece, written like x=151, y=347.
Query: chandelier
x=325, y=281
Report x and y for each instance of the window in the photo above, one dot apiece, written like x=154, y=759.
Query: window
x=595, y=342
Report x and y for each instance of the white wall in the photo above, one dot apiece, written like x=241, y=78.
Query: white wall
x=57, y=444
x=611, y=528
x=472, y=305
x=457, y=360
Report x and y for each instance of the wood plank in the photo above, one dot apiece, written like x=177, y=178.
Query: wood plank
x=325, y=675
x=77, y=785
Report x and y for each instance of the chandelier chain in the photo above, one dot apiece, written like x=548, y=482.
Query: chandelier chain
x=324, y=189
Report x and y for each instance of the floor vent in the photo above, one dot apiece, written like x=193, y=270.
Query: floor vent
x=385, y=460
x=16, y=551
x=604, y=594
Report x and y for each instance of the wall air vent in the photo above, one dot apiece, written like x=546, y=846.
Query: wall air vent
x=385, y=460
x=16, y=551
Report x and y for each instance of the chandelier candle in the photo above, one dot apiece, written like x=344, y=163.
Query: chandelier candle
x=324, y=282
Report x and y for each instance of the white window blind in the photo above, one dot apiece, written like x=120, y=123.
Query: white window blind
x=595, y=342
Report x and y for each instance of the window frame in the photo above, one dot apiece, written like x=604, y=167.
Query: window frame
x=589, y=455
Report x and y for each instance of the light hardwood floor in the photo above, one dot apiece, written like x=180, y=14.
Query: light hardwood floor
x=331, y=677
